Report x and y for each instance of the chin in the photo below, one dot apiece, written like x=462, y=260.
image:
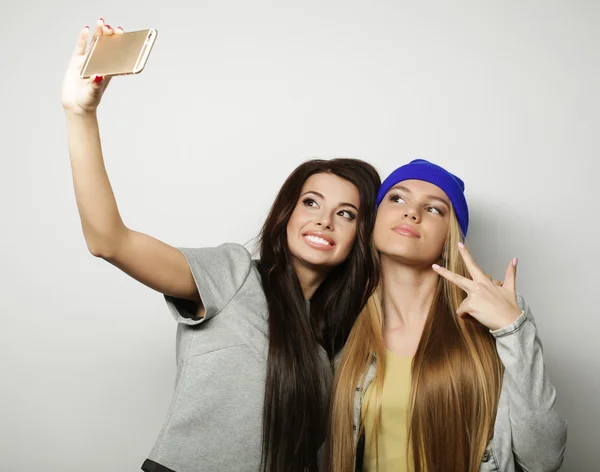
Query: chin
x=408, y=258
x=316, y=260
x=401, y=248
x=407, y=254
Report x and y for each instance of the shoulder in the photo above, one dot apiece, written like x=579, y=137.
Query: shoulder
x=222, y=269
x=227, y=255
x=236, y=252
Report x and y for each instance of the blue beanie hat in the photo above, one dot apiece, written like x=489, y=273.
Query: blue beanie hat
x=420, y=169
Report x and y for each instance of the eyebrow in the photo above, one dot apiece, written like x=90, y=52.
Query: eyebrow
x=430, y=197
x=320, y=195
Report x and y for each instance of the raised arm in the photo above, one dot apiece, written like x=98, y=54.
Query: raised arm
x=148, y=260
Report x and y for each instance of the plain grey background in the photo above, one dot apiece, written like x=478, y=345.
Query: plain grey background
x=234, y=96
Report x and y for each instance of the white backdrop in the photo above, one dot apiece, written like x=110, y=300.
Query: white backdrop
x=235, y=95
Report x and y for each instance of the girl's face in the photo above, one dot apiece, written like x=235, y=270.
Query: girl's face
x=322, y=229
x=412, y=223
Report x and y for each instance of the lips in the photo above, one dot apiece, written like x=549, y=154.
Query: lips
x=408, y=231
x=318, y=241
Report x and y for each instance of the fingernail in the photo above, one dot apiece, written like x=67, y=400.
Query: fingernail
x=515, y=261
x=435, y=266
x=108, y=27
x=461, y=245
x=102, y=20
x=86, y=27
x=98, y=79
x=120, y=27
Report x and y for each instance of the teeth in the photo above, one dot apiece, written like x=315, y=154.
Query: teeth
x=317, y=240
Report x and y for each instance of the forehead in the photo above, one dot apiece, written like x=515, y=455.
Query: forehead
x=420, y=187
x=333, y=188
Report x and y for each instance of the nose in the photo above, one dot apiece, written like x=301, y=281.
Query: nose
x=325, y=221
x=411, y=213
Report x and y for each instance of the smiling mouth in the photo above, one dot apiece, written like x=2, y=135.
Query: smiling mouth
x=318, y=242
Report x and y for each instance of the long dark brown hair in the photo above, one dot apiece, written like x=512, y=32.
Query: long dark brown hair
x=295, y=409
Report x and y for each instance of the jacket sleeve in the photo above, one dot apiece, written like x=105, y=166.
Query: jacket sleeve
x=539, y=432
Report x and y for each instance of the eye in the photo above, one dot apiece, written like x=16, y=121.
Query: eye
x=349, y=215
x=309, y=202
x=435, y=210
x=396, y=198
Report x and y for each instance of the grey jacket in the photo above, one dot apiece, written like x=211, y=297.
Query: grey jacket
x=529, y=434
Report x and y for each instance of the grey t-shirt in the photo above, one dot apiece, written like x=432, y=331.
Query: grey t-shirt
x=215, y=418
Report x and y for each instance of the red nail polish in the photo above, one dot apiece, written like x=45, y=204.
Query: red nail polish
x=86, y=27
x=98, y=79
x=120, y=27
x=102, y=20
x=108, y=27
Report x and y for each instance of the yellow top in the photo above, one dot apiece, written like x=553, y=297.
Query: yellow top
x=393, y=422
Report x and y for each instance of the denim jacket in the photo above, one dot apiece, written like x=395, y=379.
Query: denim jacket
x=529, y=434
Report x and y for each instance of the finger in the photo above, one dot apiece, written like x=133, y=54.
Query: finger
x=119, y=30
x=100, y=81
x=99, y=27
x=456, y=279
x=97, y=82
x=463, y=310
x=472, y=267
x=510, y=279
x=108, y=31
x=493, y=280
x=81, y=42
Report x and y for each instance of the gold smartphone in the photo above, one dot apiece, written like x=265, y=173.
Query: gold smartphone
x=119, y=54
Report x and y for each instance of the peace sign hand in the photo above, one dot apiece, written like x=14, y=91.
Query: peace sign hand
x=493, y=306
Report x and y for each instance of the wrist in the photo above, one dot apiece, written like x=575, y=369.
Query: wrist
x=507, y=325
x=79, y=113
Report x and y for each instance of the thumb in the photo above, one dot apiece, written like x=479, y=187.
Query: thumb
x=97, y=82
x=510, y=279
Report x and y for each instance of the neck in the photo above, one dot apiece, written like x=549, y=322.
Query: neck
x=408, y=293
x=310, y=279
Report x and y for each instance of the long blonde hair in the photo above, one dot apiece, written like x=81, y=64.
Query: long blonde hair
x=456, y=381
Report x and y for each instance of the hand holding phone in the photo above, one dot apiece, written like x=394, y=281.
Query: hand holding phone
x=118, y=54
x=97, y=65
